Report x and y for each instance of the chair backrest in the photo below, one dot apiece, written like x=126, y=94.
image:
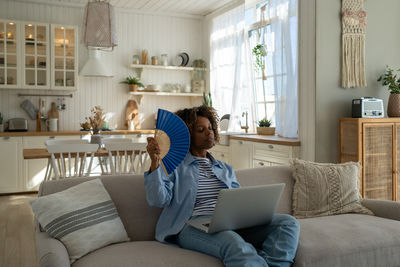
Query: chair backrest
x=69, y=157
x=124, y=156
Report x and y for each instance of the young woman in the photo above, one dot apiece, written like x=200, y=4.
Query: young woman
x=192, y=190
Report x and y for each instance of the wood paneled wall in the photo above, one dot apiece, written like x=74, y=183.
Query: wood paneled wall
x=158, y=34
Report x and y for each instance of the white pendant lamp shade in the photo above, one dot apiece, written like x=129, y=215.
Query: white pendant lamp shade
x=99, y=25
x=94, y=66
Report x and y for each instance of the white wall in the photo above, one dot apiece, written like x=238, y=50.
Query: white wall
x=382, y=48
x=135, y=31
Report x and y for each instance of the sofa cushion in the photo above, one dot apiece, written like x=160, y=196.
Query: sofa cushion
x=83, y=218
x=146, y=253
x=348, y=240
x=322, y=189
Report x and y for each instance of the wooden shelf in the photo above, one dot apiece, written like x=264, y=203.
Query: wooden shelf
x=141, y=66
x=165, y=94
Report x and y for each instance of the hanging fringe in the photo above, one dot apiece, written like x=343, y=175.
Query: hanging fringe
x=353, y=61
x=353, y=43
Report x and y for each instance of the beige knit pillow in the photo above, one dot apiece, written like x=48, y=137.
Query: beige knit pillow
x=322, y=189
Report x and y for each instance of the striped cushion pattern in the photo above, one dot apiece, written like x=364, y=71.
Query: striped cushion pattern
x=83, y=218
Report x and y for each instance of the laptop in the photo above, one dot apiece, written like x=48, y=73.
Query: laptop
x=241, y=208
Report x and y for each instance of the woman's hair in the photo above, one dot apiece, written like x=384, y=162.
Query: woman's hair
x=189, y=116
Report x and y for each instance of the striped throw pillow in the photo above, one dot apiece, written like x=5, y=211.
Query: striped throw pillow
x=83, y=218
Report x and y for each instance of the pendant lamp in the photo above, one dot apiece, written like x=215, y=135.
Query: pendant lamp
x=98, y=33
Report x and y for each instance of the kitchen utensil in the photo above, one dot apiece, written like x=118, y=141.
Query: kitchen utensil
x=29, y=108
x=52, y=124
x=185, y=57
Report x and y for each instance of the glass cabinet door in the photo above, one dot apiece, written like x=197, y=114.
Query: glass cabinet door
x=64, y=57
x=36, y=56
x=8, y=54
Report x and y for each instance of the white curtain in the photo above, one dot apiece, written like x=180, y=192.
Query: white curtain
x=229, y=88
x=284, y=26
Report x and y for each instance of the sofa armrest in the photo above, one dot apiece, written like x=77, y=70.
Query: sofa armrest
x=383, y=208
x=50, y=251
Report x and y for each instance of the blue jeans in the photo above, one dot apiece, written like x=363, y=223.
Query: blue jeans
x=274, y=244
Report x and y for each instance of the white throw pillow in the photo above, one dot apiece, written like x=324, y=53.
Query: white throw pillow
x=82, y=217
x=323, y=189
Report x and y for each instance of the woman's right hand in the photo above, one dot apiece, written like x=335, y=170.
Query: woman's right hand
x=154, y=152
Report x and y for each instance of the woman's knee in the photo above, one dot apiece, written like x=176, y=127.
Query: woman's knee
x=285, y=219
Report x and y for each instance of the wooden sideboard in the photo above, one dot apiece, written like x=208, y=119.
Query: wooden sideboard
x=375, y=143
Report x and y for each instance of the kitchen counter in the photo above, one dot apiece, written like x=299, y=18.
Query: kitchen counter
x=270, y=139
x=114, y=132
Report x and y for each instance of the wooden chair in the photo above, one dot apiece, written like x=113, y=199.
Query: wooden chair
x=124, y=156
x=69, y=158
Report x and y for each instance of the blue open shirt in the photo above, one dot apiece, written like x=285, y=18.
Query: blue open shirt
x=176, y=193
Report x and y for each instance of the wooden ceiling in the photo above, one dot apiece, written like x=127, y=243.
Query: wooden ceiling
x=184, y=7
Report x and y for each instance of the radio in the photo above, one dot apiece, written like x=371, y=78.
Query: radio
x=367, y=107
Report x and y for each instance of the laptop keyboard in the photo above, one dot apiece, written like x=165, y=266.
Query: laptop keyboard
x=206, y=224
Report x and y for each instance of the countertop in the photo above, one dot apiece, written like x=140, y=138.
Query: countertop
x=75, y=133
x=269, y=139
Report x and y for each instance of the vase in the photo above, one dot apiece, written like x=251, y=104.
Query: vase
x=96, y=138
x=393, y=108
x=266, y=130
x=133, y=87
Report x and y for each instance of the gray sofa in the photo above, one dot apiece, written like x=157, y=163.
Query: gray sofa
x=340, y=240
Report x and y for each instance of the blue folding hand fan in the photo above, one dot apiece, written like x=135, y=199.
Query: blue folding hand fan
x=173, y=138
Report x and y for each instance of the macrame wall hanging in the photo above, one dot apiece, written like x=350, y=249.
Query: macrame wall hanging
x=353, y=43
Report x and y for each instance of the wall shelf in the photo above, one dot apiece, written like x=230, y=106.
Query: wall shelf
x=141, y=94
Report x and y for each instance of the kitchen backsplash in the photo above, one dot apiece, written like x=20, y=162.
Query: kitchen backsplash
x=159, y=34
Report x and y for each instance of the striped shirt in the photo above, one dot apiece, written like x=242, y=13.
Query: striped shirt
x=207, y=189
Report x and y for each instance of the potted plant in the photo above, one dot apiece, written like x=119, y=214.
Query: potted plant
x=133, y=83
x=389, y=78
x=96, y=122
x=207, y=101
x=260, y=51
x=264, y=127
x=1, y=123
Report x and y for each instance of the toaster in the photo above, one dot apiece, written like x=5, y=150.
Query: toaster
x=18, y=125
x=367, y=107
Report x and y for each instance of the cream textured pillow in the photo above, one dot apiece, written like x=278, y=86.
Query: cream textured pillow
x=322, y=189
x=82, y=217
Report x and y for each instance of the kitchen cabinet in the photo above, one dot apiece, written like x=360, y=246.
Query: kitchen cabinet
x=273, y=154
x=241, y=154
x=375, y=144
x=11, y=170
x=221, y=153
x=38, y=55
x=10, y=71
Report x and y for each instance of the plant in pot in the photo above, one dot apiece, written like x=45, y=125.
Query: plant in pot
x=133, y=83
x=96, y=122
x=264, y=127
x=260, y=51
x=389, y=78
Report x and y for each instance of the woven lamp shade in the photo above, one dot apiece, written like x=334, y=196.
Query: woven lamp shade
x=99, y=25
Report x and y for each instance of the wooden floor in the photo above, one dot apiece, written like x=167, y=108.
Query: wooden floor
x=17, y=233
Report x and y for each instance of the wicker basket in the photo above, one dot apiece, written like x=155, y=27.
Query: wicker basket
x=266, y=130
x=393, y=108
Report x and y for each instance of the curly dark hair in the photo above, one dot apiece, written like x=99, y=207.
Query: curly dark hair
x=189, y=116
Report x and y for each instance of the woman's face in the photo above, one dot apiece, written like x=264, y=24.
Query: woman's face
x=202, y=134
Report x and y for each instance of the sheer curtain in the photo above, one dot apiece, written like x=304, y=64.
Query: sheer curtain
x=229, y=88
x=283, y=14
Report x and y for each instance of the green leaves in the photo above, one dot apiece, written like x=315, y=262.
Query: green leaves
x=390, y=79
x=259, y=51
x=207, y=101
x=132, y=80
x=264, y=123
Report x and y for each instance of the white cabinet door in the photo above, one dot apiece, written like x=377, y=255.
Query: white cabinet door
x=241, y=154
x=35, y=56
x=9, y=56
x=221, y=153
x=11, y=172
x=64, y=57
